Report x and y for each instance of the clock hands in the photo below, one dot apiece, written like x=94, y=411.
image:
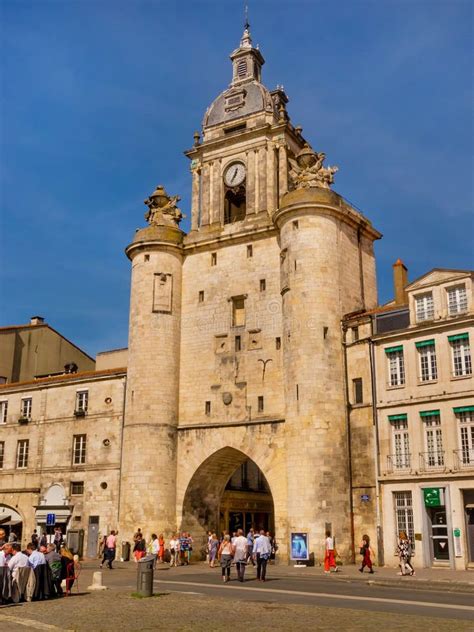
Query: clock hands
x=235, y=173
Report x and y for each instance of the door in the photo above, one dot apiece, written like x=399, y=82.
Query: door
x=93, y=536
x=439, y=534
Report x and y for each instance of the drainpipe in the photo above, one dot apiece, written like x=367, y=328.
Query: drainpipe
x=121, y=449
x=380, y=548
x=349, y=442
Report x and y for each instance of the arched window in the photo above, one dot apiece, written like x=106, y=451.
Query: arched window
x=234, y=205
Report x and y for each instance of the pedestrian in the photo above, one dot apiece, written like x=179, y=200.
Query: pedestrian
x=139, y=548
x=174, y=550
x=366, y=553
x=225, y=554
x=262, y=549
x=67, y=567
x=137, y=534
x=58, y=538
x=111, y=545
x=17, y=558
x=161, y=548
x=208, y=549
x=405, y=553
x=154, y=548
x=53, y=558
x=329, y=554
x=274, y=545
x=35, y=557
x=240, y=554
x=103, y=550
x=183, y=548
x=213, y=548
x=43, y=539
x=35, y=539
x=250, y=541
x=12, y=537
x=190, y=547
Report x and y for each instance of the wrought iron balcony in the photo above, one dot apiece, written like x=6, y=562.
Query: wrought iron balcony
x=464, y=459
x=398, y=463
x=433, y=460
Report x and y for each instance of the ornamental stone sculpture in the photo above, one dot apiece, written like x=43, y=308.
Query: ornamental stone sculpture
x=162, y=209
x=308, y=171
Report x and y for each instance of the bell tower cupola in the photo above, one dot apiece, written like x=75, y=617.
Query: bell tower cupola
x=247, y=61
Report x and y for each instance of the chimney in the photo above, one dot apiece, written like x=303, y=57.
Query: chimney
x=36, y=320
x=400, y=281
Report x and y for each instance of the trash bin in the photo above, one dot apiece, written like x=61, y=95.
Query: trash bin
x=125, y=551
x=145, y=576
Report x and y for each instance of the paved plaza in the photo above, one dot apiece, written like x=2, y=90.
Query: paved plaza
x=194, y=599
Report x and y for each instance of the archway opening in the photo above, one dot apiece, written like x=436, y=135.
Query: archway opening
x=235, y=205
x=11, y=523
x=227, y=492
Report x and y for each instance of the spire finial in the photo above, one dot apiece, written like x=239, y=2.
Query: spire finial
x=246, y=41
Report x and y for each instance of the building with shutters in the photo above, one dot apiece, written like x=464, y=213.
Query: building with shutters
x=423, y=405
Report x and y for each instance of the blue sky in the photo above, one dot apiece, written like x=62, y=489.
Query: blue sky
x=100, y=98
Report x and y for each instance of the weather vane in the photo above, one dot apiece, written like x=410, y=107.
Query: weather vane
x=246, y=13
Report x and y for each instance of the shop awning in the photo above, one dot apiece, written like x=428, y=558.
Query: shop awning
x=393, y=349
x=401, y=417
x=464, y=336
x=425, y=343
x=429, y=413
x=464, y=409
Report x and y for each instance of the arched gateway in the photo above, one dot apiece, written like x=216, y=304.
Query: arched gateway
x=227, y=491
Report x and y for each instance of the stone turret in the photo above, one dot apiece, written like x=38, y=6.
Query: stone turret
x=322, y=240
x=148, y=490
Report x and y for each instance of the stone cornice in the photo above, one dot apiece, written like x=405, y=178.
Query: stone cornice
x=68, y=378
x=221, y=241
x=231, y=424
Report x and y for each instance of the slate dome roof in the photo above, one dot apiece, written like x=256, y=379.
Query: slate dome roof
x=257, y=99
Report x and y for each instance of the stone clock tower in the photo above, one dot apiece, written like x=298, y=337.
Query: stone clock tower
x=235, y=351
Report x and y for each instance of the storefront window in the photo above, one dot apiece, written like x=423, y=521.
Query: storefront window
x=404, y=514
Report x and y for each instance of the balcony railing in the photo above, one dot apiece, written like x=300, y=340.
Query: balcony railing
x=464, y=458
x=400, y=463
x=432, y=461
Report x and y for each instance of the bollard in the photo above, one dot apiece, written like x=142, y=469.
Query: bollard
x=145, y=576
x=97, y=582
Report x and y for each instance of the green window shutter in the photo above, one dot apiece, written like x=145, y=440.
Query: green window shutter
x=425, y=343
x=401, y=417
x=393, y=349
x=429, y=413
x=458, y=337
x=464, y=409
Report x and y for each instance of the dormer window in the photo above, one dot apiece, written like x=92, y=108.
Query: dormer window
x=424, y=307
x=457, y=300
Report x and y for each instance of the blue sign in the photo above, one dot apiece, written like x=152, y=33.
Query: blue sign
x=365, y=498
x=299, y=546
x=50, y=520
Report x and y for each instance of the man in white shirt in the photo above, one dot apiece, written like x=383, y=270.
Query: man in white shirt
x=262, y=549
x=18, y=559
x=240, y=554
x=36, y=558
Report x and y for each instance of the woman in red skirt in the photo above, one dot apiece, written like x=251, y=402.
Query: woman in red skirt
x=366, y=553
x=161, y=550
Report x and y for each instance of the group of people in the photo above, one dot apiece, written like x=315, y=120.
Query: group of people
x=37, y=572
x=178, y=552
x=239, y=550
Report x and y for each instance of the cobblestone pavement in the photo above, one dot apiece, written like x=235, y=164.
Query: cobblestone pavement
x=118, y=610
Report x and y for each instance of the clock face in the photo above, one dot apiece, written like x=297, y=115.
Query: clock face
x=234, y=174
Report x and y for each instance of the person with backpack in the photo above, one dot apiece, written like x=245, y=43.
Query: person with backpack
x=54, y=561
x=366, y=553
